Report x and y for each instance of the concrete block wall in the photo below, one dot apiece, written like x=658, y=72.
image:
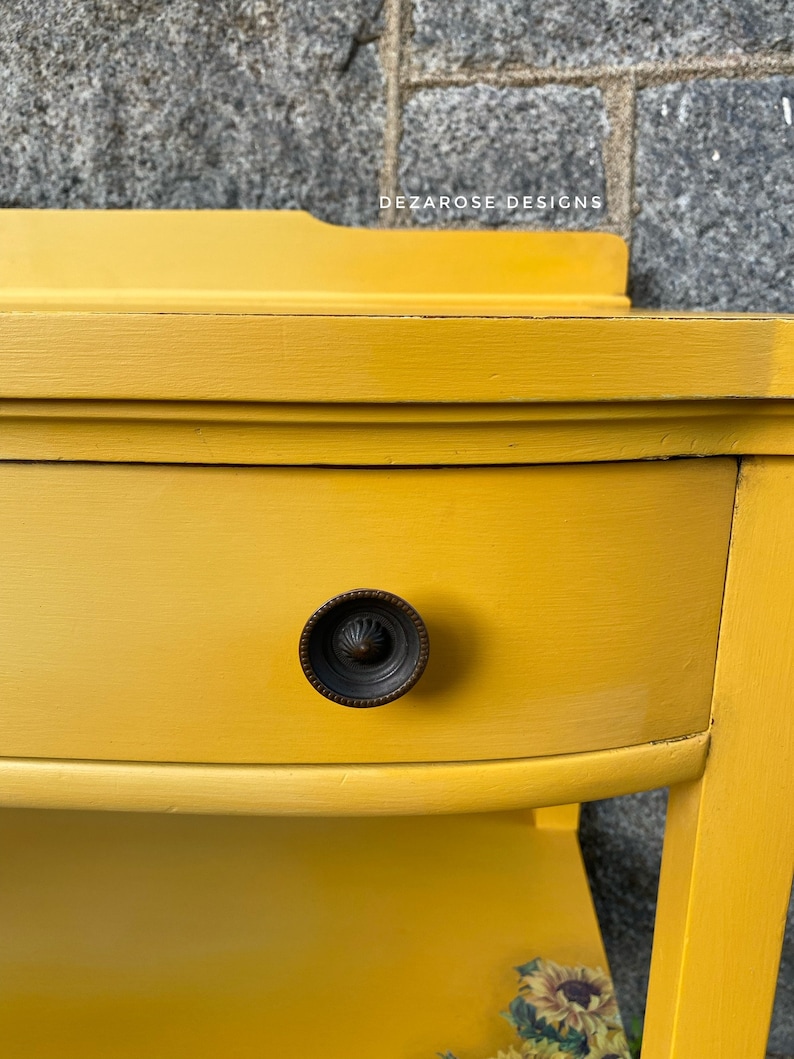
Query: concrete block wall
x=671, y=122
x=677, y=115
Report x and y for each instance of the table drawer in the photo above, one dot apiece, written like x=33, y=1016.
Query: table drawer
x=154, y=612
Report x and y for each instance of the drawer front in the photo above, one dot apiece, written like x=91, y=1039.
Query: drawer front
x=154, y=612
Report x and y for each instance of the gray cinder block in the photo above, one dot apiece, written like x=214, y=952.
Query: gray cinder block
x=181, y=104
x=714, y=182
x=541, y=143
x=459, y=33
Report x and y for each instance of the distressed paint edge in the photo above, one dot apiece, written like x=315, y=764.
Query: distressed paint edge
x=350, y=790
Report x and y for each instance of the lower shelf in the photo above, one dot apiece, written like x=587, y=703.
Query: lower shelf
x=199, y=937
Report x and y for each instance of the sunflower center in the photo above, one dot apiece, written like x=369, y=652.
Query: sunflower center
x=578, y=992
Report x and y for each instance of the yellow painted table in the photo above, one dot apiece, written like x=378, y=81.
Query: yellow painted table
x=212, y=423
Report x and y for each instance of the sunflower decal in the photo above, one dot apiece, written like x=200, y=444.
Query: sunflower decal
x=581, y=998
x=563, y=1013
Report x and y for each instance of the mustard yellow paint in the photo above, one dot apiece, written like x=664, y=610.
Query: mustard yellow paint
x=383, y=360
x=283, y=262
x=729, y=847
x=173, y=937
x=571, y=608
x=558, y=817
x=239, y=415
x=353, y=790
x=389, y=435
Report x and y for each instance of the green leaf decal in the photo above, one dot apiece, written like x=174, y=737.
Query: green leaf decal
x=522, y=1015
x=575, y=1042
x=537, y=1029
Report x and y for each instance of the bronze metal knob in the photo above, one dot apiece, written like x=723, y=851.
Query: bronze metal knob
x=364, y=648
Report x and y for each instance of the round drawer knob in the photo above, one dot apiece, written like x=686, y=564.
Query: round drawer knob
x=364, y=648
